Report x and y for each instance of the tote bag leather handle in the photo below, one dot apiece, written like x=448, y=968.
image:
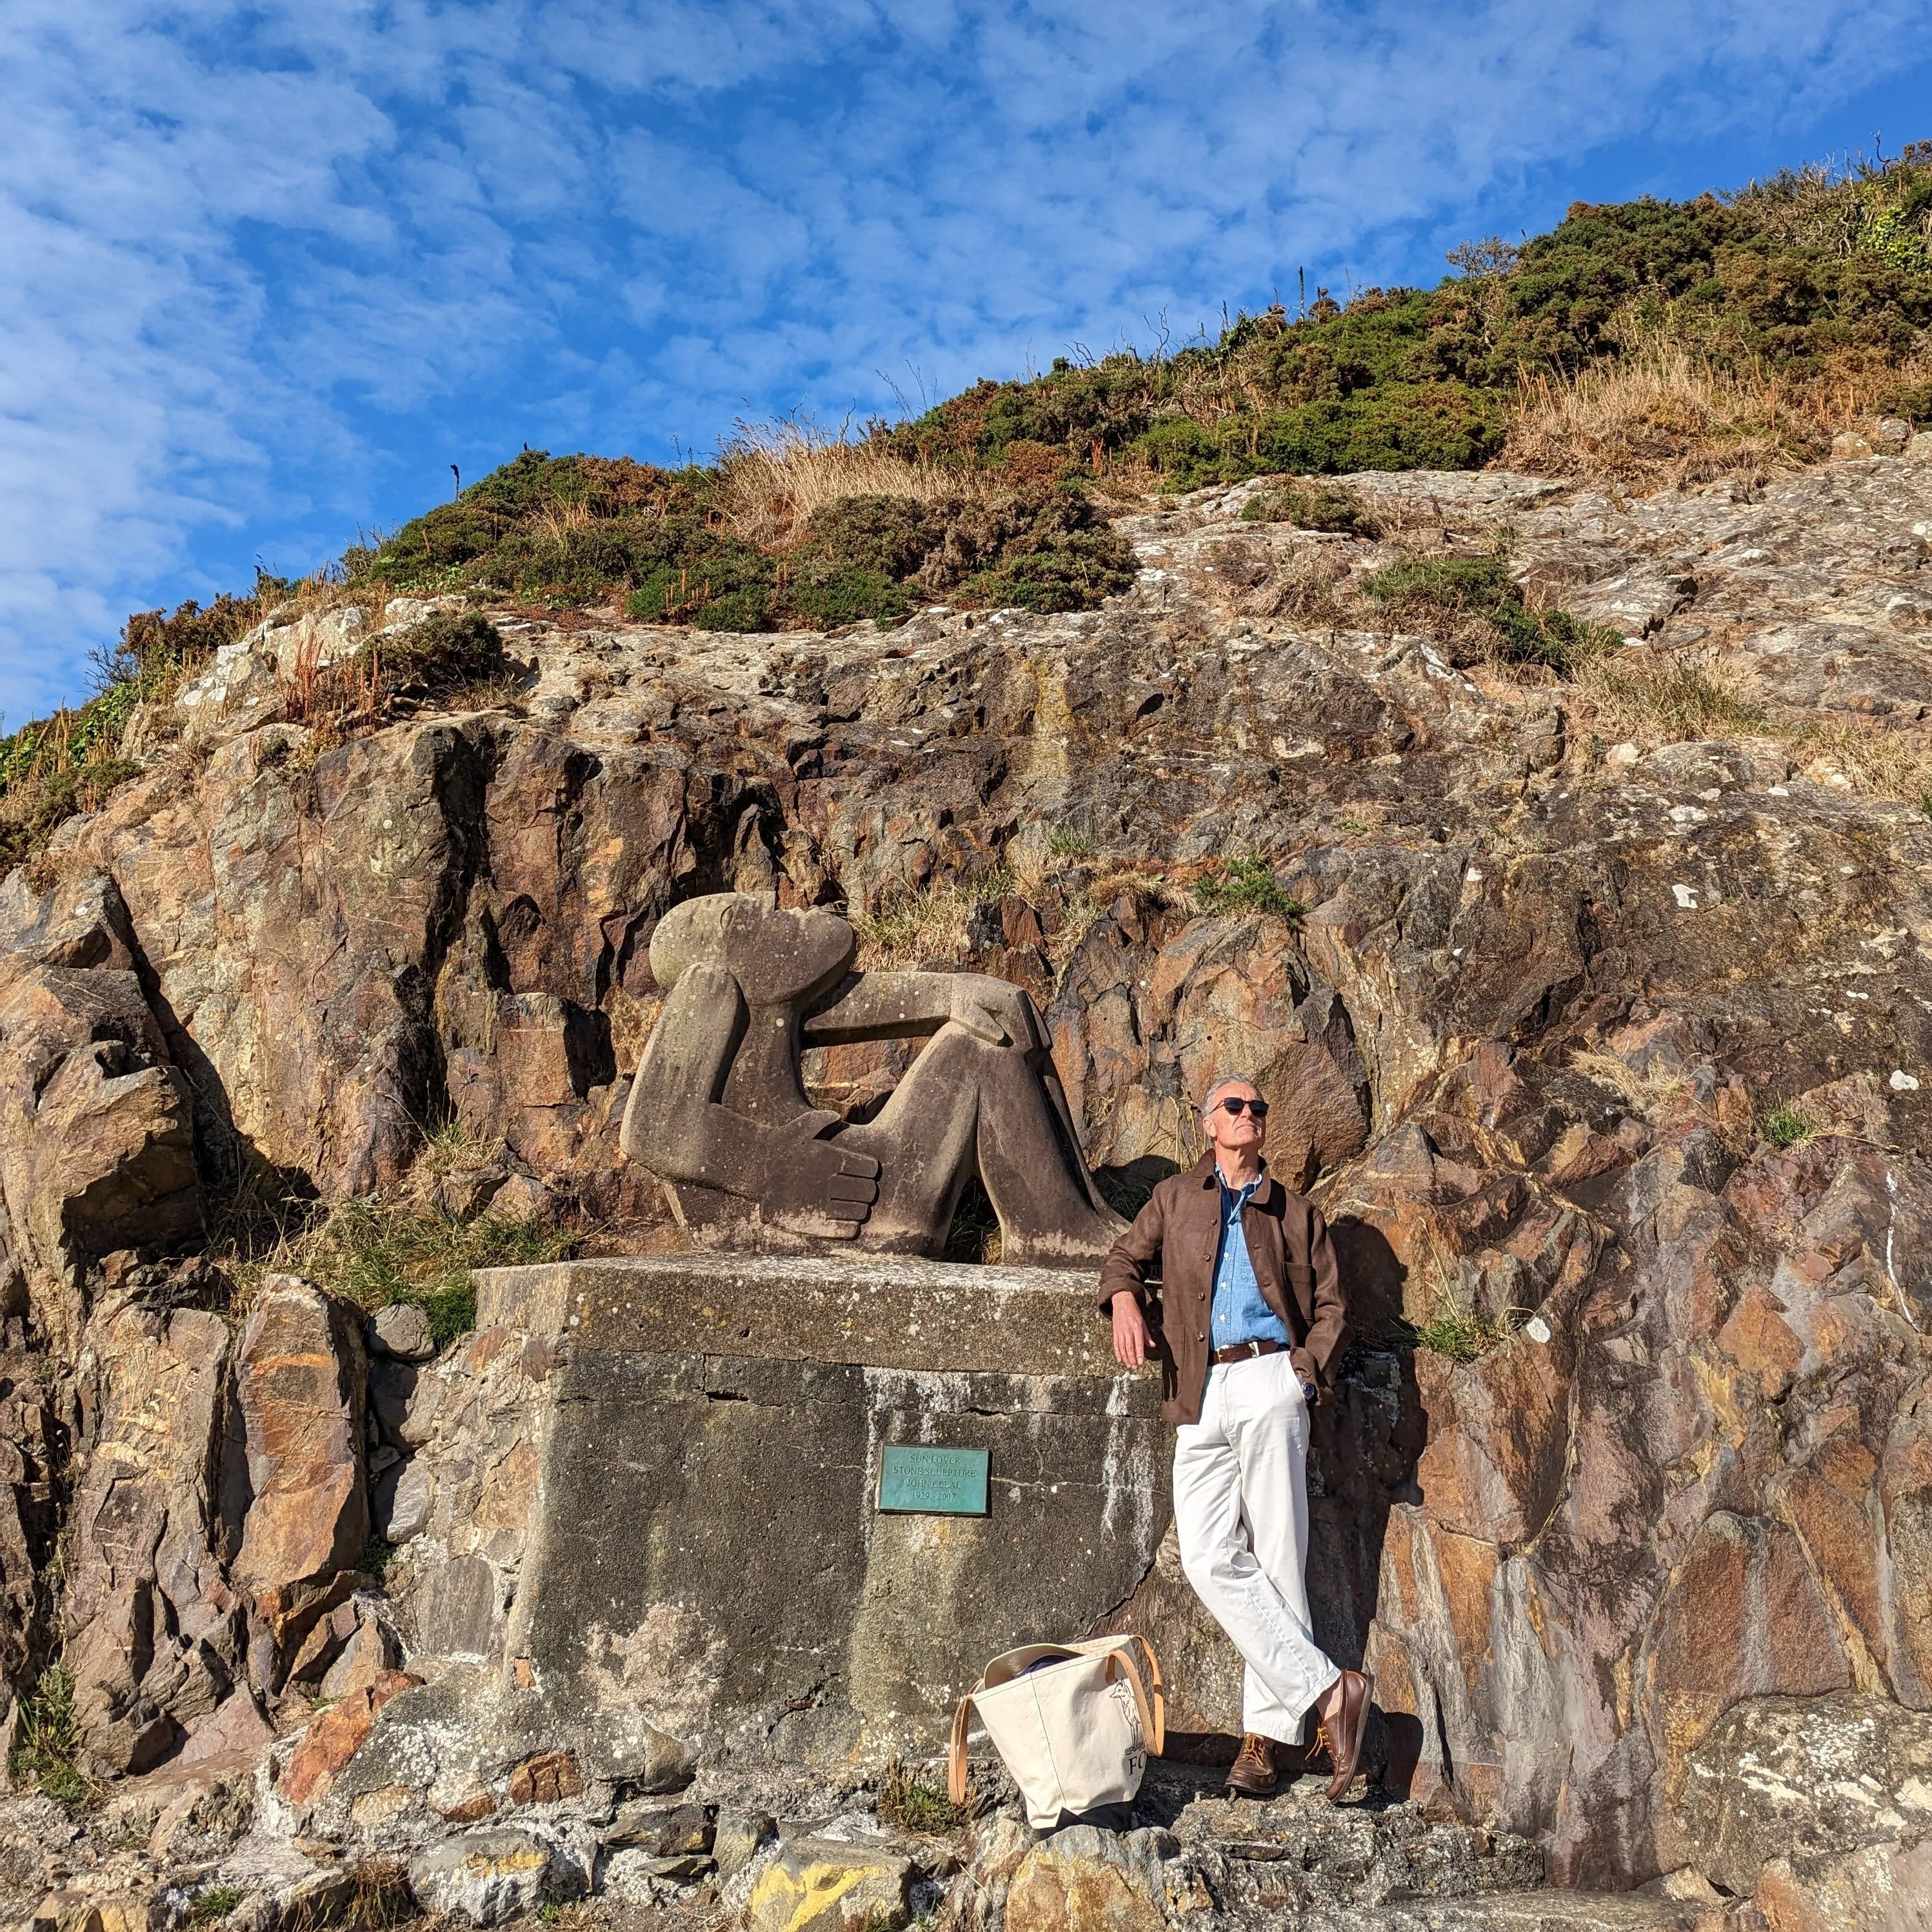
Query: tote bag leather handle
x=955, y=1760
x=1153, y=1720
x=1150, y=1702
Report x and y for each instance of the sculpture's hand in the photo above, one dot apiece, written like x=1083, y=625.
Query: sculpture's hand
x=996, y=1010
x=841, y=1181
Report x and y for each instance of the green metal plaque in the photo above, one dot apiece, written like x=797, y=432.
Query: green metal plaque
x=932, y=1482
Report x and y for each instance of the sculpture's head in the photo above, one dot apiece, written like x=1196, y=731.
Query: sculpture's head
x=776, y=956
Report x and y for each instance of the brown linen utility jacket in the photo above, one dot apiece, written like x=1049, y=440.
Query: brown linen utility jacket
x=1179, y=1232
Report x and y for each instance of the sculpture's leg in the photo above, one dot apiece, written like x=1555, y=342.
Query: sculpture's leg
x=923, y=1139
x=964, y=1102
x=1050, y=1213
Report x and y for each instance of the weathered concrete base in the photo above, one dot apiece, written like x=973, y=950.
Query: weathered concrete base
x=643, y=1496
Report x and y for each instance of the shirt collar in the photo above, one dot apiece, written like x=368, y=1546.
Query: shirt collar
x=1209, y=1175
x=1245, y=1192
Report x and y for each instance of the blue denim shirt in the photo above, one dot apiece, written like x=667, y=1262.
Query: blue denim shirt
x=1239, y=1312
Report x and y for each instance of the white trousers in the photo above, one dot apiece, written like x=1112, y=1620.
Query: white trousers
x=1240, y=1513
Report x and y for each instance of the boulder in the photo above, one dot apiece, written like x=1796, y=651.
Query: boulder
x=97, y=1134
x=1807, y=1782
x=335, y=1737
x=1082, y=1877
x=402, y=1330
x=238, y=1728
x=403, y=1497
x=363, y=1659
x=827, y=1885
x=300, y=1378
x=736, y=1839
x=665, y=1831
x=156, y=1636
x=491, y=1875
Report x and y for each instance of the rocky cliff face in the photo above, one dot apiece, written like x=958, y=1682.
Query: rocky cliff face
x=1532, y=967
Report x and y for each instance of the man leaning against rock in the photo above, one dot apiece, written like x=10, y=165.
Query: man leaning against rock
x=1251, y=1313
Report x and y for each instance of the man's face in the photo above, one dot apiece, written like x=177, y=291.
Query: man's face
x=1228, y=1130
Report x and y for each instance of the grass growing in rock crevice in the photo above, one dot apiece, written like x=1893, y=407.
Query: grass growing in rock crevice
x=48, y=1754
x=916, y=1802
x=373, y=1252
x=1786, y=1125
x=1245, y=885
x=406, y=1245
x=1459, y=1333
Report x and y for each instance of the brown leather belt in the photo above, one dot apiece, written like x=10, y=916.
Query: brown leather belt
x=1246, y=1351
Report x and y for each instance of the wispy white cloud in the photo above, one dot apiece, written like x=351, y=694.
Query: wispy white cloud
x=260, y=258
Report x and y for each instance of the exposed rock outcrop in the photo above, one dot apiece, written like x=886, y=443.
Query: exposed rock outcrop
x=1528, y=962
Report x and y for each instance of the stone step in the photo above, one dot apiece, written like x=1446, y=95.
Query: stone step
x=1551, y=1911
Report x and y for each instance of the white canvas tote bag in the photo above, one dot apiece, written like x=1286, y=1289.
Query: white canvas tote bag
x=1074, y=1723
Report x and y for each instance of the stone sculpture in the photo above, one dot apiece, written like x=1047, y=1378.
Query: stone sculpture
x=719, y=1113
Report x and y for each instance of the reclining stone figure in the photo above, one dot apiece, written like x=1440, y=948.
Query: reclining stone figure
x=719, y=1112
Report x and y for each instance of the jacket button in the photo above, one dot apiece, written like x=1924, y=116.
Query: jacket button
x=1200, y=1338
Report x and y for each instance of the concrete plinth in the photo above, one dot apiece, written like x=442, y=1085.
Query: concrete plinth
x=651, y=1497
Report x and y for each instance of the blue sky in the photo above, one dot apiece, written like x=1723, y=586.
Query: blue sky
x=267, y=271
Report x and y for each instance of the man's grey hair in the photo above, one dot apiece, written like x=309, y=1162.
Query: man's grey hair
x=1221, y=1087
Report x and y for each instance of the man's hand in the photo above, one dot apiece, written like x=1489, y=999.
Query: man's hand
x=1130, y=1331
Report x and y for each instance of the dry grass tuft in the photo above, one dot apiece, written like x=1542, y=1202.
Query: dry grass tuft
x=1872, y=763
x=776, y=476
x=1313, y=592
x=935, y=924
x=1649, y=700
x=1658, y=418
x=1651, y=1093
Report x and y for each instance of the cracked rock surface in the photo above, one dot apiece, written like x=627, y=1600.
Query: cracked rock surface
x=1606, y=1049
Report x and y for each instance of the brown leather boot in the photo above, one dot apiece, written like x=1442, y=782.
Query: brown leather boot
x=1253, y=1773
x=1342, y=1736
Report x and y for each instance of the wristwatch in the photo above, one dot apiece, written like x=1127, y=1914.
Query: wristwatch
x=1310, y=1392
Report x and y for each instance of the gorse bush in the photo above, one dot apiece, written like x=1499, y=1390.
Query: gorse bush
x=1478, y=610
x=1247, y=884
x=671, y=544
x=448, y=652
x=1319, y=507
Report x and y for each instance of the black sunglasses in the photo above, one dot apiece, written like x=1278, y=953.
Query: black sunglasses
x=1236, y=1104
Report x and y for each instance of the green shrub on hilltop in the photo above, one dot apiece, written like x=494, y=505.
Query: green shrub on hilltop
x=576, y=529
x=1816, y=274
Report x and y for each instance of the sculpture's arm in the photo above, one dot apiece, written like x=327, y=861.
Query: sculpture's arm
x=674, y=1125
x=901, y=1006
